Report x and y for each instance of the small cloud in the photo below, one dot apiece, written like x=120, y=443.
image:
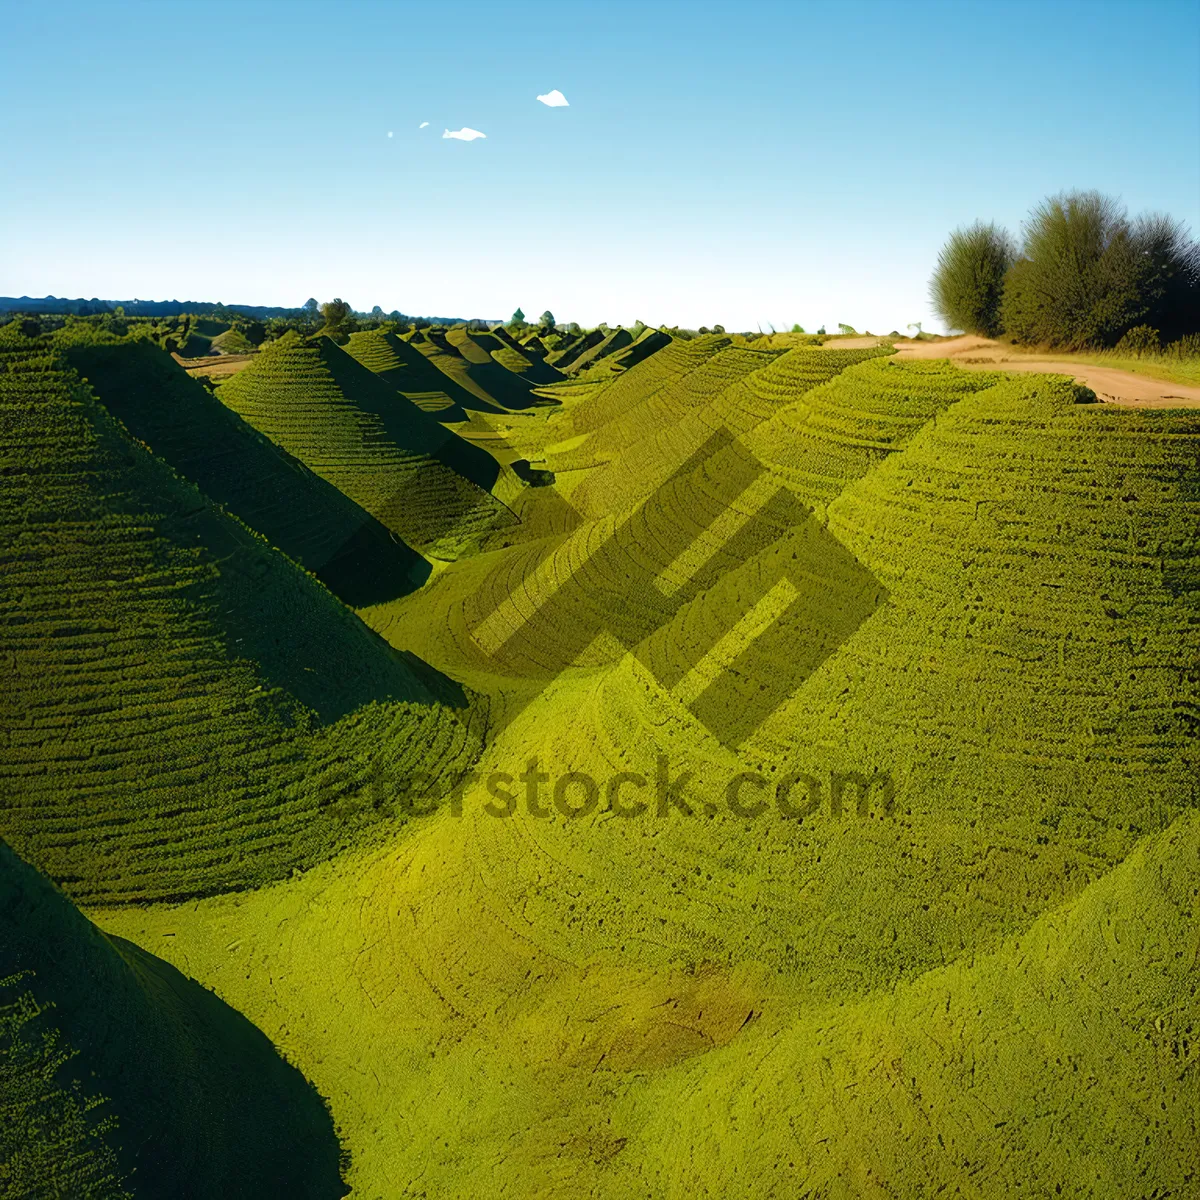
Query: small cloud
x=464, y=134
x=422, y=124
x=389, y=133
x=554, y=99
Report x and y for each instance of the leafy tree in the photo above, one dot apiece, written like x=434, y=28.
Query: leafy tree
x=311, y=306
x=797, y=328
x=547, y=320
x=968, y=282
x=518, y=318
x=574, y=328
x=718, y=329
x=1087, y=274
x=846, y=328
x=377, y=312
x=821, y=331
x=255, y=332
x=335, y=312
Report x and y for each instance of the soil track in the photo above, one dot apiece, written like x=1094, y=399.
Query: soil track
x=1111, y=385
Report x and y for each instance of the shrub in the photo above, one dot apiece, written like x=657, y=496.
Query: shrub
x=1086, y=275
x=844, y=329
x=1141, y=339
x=968, y=282
x=797, y=328
x=1187, y=346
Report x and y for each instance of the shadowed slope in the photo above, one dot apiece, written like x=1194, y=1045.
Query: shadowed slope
x=184, y=704
x=420, y=480
x=470, y=354
x=407, y=370
x=298, y=512
x=198, y=1103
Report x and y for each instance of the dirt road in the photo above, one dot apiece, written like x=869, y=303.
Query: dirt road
x=1111, y=385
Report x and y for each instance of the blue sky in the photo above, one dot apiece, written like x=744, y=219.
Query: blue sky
x=745, y=164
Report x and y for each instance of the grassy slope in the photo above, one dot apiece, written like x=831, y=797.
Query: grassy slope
x=544, y=1002
x=412, y=374
x=185, y=705
x=354, y=430
x=298, y=512
x=194, y=1101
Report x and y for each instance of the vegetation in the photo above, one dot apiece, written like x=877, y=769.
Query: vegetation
x=421, y=481
x=194, y=1100
x=957, y=607
x=968, y=282
x=1082, y=278
x=187, y=706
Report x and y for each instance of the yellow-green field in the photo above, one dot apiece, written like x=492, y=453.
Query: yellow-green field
x=721, y=767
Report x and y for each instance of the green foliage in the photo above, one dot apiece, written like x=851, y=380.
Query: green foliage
x=844, y=329
x=547, y=319
x=968, y=282
x=1087, y=274
x=797, y=328
x=1141, y=339
x=518, y=318
x=337, y=315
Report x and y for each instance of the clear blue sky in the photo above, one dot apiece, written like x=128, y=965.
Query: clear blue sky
x=757, y=162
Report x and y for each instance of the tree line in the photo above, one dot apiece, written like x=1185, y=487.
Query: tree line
x=1082, y=275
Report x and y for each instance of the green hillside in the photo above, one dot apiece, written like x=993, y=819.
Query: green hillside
x=185, y=704
x=424, y=483
x=351, y=552
x=119, y=1076
x=940, y=624
x=407, y=370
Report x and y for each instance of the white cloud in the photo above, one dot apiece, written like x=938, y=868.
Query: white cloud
x=554, y=99
x=422, y=124
x=464, y=134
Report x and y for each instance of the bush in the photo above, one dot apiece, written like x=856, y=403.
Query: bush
x=1086, y=275
x=1139, y=340
x=968, y=282
x=1187, y=346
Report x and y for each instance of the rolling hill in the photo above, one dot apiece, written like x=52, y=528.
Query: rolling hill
x=121, y=1077
x=897, y=662
x=186, y=707
x=395, y=460
x=298, y=512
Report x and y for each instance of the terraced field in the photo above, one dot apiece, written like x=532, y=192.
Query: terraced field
x=188, y=711
x=417, y=478
x=411, y=373
x=899, y=661
x=313, y=523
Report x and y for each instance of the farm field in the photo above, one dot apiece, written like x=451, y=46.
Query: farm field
x=596, y=767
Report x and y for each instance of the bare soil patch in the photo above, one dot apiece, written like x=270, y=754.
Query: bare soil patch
x=1110, y=384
